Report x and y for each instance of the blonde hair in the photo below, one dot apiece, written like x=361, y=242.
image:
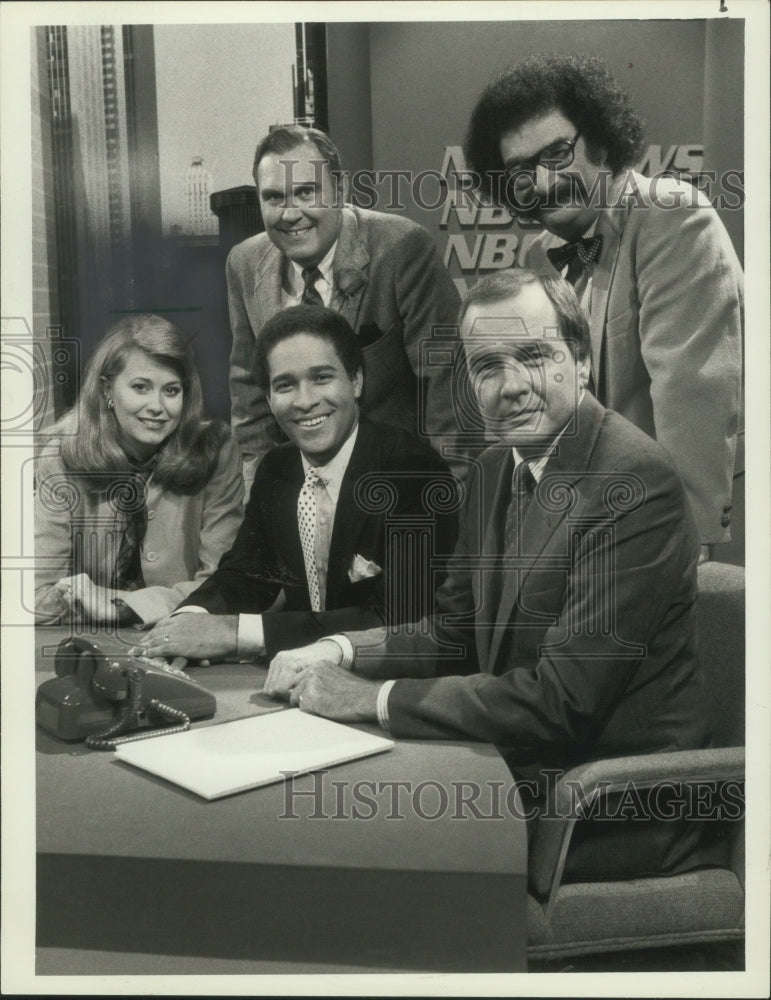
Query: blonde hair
x=89, y=431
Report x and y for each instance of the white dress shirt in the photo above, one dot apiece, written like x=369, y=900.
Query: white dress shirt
x=251, y=639
x=293, y=285
x=251, y=636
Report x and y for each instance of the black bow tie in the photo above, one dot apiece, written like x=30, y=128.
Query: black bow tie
x=586, y=250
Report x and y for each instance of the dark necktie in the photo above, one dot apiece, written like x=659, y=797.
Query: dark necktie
x=576, y=255
x=132, y=506
x=311, y=296
x=522, y=486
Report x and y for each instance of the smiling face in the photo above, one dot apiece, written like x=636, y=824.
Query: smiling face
x=147, y=403
x=554, y=199
x=312, y=396
x=301, y=203
x=525, y=377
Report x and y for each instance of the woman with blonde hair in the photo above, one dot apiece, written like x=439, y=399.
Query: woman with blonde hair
x=138, y=495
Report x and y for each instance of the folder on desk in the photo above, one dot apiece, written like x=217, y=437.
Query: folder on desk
x=220, y=760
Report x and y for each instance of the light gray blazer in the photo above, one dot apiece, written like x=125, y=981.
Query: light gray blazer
x=666, y=323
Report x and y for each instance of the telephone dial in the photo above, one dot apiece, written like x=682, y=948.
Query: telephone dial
x=97, y=696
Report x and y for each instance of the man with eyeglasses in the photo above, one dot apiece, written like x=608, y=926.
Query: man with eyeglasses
x=554, y=139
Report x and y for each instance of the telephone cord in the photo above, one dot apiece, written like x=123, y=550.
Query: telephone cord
x=106, y=740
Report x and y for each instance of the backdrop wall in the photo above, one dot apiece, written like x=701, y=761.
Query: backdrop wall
x=416, y=83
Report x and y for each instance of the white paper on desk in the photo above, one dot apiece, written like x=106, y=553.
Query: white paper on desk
x=235, y=756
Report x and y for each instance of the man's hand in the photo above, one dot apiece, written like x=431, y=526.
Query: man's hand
x=196, y=636
x=289, y=665
x=92, y=602
x=336, y=694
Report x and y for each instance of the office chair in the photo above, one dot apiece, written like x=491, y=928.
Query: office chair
x=702, y=906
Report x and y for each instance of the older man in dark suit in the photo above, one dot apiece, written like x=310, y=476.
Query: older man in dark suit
x=381, y=272
x=565, y=628
x=333, y=516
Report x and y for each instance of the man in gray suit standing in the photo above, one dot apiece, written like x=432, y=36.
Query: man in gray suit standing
x=381, y=272
x=555, y=139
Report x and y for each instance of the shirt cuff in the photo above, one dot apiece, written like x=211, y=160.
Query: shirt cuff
x=346, y=648
x=189, y=607
x=382, y=705
x=251, y=636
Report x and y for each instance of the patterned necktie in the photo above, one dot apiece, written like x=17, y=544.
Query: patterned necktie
x=522, y=486
x=311, y=296
x=576, y=255
x=132, y=506
x=306, y=520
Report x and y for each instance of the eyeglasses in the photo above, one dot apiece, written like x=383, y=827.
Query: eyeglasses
x=519, y=178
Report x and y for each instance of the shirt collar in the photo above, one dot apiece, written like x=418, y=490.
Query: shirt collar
x=332, y=473
x=295, y=273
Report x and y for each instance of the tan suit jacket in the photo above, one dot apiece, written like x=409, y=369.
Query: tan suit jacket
x=666, y=315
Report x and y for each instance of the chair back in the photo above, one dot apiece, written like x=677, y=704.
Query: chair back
x=721, y=643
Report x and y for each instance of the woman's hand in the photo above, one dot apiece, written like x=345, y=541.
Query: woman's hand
x=87, y=599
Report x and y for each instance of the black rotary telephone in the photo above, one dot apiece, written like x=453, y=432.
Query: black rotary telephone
x=98, y=696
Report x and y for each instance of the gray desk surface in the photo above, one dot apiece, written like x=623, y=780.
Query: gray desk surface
x=325, y=891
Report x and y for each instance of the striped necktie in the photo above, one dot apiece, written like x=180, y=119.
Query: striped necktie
x=311, y=295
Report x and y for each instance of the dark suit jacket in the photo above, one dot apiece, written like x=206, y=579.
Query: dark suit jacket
x=666, y=327
x=391, y=286
x=590, y=651
x=390, y=476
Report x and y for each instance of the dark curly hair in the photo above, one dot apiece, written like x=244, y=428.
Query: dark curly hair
x=581, y=87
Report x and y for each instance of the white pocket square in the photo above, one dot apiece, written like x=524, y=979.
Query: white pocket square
x=362, y=569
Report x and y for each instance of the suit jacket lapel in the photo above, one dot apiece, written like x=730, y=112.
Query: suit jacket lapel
x=610, y=225
x=349, y=517
x=567, y=466
x=268, y=278
x=538, y=527
x=349, y=267
x=492, y=509
x=285, y=527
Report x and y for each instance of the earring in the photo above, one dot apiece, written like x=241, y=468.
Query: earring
x=109, y=403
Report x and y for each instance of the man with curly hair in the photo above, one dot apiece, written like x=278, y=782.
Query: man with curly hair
x=555, y=140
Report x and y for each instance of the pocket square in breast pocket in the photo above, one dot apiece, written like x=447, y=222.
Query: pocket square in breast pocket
x=362, y=569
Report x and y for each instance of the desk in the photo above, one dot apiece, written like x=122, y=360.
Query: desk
x=138, y=875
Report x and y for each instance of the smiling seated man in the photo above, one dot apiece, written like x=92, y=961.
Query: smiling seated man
x=565, y=628
x=323, y=529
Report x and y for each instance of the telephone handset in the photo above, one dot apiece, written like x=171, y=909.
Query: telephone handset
x=97, y=696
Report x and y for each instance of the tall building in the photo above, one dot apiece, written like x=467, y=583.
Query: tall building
x=201, y=220
x=100, y=134
x=309, y=77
